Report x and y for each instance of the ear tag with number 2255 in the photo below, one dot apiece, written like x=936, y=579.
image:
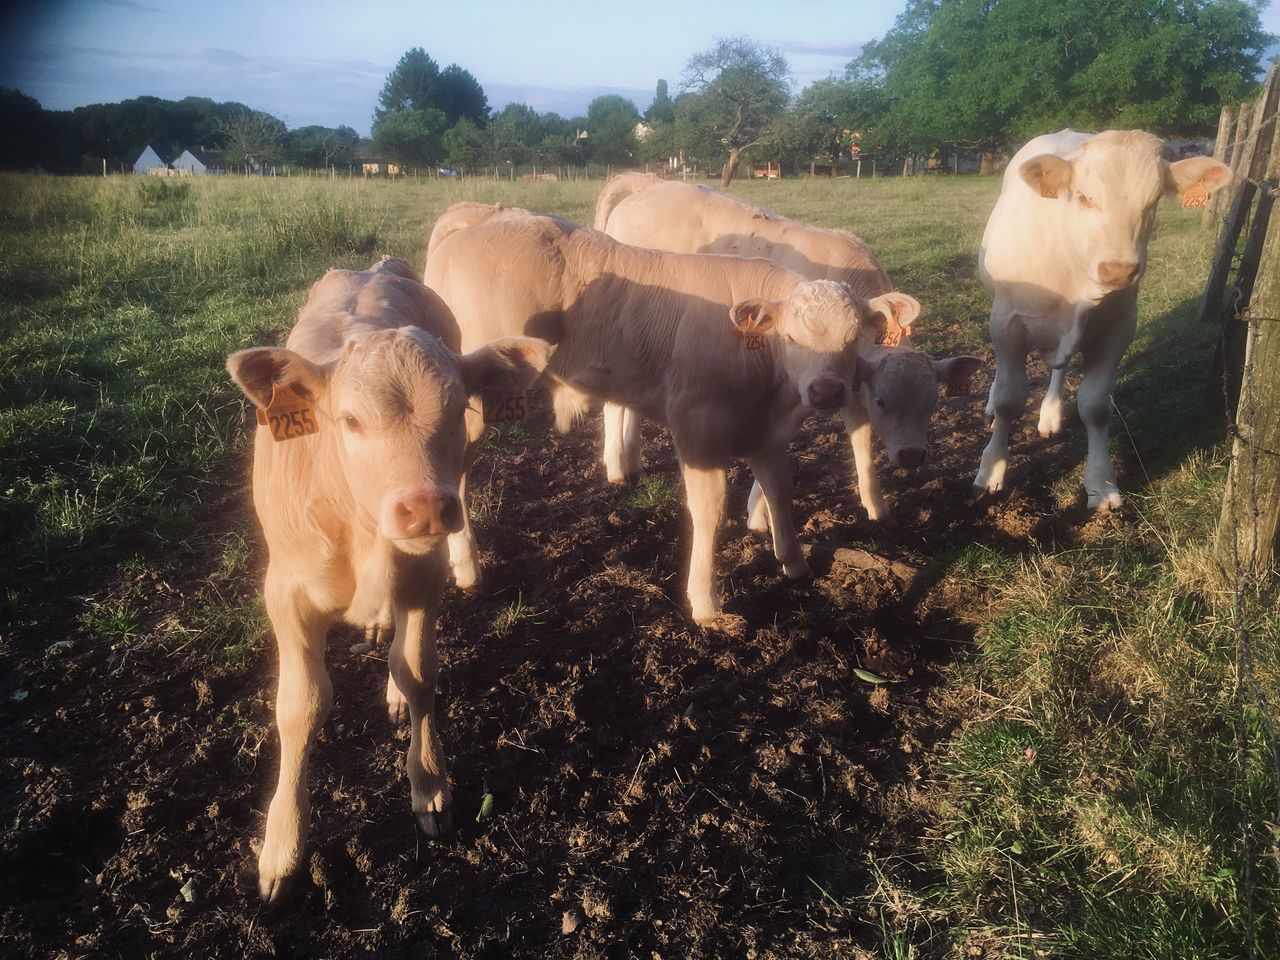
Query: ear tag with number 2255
x=289, y=414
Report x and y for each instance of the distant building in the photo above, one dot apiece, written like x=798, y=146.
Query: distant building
x=642, y=130
x=195, y=160
x=150, y=159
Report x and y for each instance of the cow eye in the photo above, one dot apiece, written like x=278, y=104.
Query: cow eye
x=1085, y=201
x=880, y=402
x=351, y=423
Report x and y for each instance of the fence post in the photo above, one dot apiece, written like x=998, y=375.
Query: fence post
x=1221, y=144
x=1251, y=503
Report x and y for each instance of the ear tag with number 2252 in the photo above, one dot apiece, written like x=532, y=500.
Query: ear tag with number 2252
x=289, y=414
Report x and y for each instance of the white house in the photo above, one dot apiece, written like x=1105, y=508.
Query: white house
x=150, y=159
x=195, y=160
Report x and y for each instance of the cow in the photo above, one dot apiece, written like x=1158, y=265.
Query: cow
x=356, y=467
x=899, y=384
x=731, y=355
x=1062, y=256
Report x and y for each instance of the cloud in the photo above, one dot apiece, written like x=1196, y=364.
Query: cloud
x=128, y=5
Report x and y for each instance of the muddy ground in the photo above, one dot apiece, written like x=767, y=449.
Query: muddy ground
x=671, y=791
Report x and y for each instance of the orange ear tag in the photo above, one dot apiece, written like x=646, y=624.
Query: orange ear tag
x=506, y=409
x=1195, y=196
x=752, y=341
x=289, y=414
x=893, y=334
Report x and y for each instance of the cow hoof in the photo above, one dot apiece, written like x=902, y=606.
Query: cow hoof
x=729, y=623
x=1105, y=502
x=275, y=877
x=468, y=581
x=880, y=514
x=435, y=823
x=796, y=570
x=978, y=493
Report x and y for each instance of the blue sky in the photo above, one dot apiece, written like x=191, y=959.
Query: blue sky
x=324, y=62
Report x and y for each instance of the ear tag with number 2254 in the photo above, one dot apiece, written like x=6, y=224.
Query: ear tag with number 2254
x=289, y=414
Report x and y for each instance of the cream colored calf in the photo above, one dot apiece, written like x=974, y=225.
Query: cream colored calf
x=356, y=467
x=731, y=355
x=1061, y=256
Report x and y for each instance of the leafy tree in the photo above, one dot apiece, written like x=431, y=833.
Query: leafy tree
x=460, y=95
x=514, y=131
x=411, y=137
x=412, y=85
x=827, y=112
x=662, y=110
x=982, y=74
x=742, y=90
x=611, y=120
x=317, y=146
x=465, y=145
x=253, y=139
x=27, y=127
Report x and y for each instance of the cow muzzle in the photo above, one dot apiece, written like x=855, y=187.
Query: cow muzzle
x=1117, y=274
x=423, y=512
x=826, y=393
x=911, y=458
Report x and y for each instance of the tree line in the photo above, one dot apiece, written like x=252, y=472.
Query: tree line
x=950, y=74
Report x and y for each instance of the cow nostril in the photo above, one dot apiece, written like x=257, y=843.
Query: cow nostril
x=451, y=515
x=407, y=518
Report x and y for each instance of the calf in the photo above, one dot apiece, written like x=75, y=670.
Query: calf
x=356, y=467
x=729, y=354
x=1062, y=255
x=899, y=386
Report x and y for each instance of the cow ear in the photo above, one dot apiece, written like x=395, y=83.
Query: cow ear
x=260, y=370
x=1195, y=178
x=753, y=317
x=893, y=313
x=1047, y=174
x=954, y=373
x=504, y=367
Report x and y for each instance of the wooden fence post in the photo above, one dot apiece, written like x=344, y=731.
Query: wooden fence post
x=1221, y=149
x=1250, y=514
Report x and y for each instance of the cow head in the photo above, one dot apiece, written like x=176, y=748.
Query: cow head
x=395, y=399
x=1109, y=191
x=900, y=391
x=817, y=328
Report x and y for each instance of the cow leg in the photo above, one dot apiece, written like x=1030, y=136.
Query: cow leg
x=415, y=668
x=858, y=425
x=621, y=443
x=1051, y=406
x=1101, y=358
x=302, y=702
x=463, y=551
x=757, y=509
x=1008, y=398
x=704, y=490
x=773, y=474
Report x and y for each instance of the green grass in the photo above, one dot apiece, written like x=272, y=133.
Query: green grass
x=1109, y=654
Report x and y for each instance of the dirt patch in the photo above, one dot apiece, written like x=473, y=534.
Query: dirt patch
x=658, y=790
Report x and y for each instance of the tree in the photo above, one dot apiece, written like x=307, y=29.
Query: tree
x=464, y=145
x=514, y=131
x=611, y=121
x=411, y=137
x=317, y=146
x=460, y=96
x=742, y=89
x=662, y=110
x=412, y=85
x=828, y=114
x=980, y=74
x=253, y=139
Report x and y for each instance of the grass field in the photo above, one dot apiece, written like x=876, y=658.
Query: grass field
x=1084, y=791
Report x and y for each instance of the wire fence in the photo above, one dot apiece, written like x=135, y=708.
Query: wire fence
x=1246, y=582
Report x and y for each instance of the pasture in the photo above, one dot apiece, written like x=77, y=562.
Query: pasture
x=1004, y=729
